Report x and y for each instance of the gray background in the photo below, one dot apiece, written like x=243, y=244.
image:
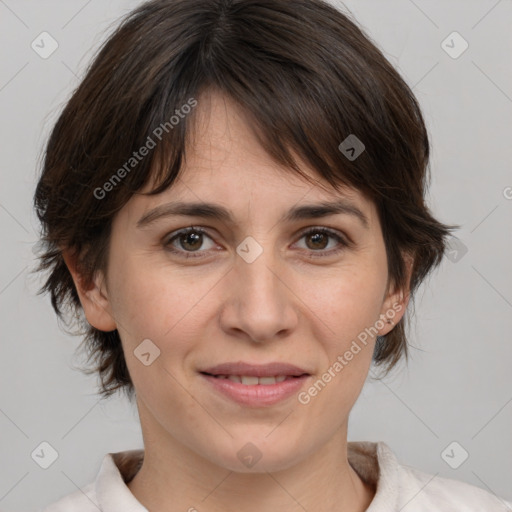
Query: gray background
x=458, y=386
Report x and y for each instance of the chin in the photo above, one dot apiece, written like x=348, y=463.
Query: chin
x=255, y=454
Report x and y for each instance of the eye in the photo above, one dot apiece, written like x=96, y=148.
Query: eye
x=190, y=240
x=187, y=243
x=319, y=238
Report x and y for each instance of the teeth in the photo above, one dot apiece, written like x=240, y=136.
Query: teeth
x=249, y=380
x=267, y=380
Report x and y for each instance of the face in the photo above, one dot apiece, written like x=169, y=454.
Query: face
x=258, y=288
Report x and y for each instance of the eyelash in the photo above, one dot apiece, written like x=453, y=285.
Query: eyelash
x=343, y=241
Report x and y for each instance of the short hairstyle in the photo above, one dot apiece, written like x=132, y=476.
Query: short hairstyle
x=305, y=75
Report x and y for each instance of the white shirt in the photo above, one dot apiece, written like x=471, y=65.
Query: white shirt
x=398, y=487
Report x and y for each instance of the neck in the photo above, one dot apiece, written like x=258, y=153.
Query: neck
x=174, y=478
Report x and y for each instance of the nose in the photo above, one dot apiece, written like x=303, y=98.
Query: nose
x=259, y=304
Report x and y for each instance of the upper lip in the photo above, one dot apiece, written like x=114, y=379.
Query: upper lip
x=254, y=370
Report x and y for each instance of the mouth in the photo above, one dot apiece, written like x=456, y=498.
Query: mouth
x=255, y=385
x=252, y=380
x=276, y=370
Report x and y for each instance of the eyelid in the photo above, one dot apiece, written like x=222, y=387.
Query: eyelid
x=330, y=231
x=344, y=241
x=183, y=231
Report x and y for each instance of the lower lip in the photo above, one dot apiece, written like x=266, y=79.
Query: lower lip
x=257, y=395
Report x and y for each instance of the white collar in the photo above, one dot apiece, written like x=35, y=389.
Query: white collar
x=396, y=485
x=112, y=493
x=370, y=460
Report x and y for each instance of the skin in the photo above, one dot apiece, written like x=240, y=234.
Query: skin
x=285, y=306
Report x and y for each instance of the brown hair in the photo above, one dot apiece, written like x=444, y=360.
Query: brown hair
x=306, y=76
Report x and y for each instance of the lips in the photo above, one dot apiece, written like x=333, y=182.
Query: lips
x=256, y=391
x=255, y=374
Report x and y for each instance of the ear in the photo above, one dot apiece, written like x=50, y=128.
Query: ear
x=396, y=300
x=94, y=298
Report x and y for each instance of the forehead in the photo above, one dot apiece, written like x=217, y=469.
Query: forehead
x=225, y=165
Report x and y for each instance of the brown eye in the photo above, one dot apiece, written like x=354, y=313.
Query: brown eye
x=188, y=241
x=191, y=241
x=318, y=240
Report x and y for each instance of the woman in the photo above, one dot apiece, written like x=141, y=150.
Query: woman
x=234, y=196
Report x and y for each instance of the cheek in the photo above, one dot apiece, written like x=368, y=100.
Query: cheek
x=347, y=311
x=345, y=303
x=157, y=301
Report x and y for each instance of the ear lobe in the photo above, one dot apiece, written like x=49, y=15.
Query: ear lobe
x=395, y=304
x=94, y=297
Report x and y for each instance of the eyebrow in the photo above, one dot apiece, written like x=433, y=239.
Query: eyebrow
x=220, y=213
